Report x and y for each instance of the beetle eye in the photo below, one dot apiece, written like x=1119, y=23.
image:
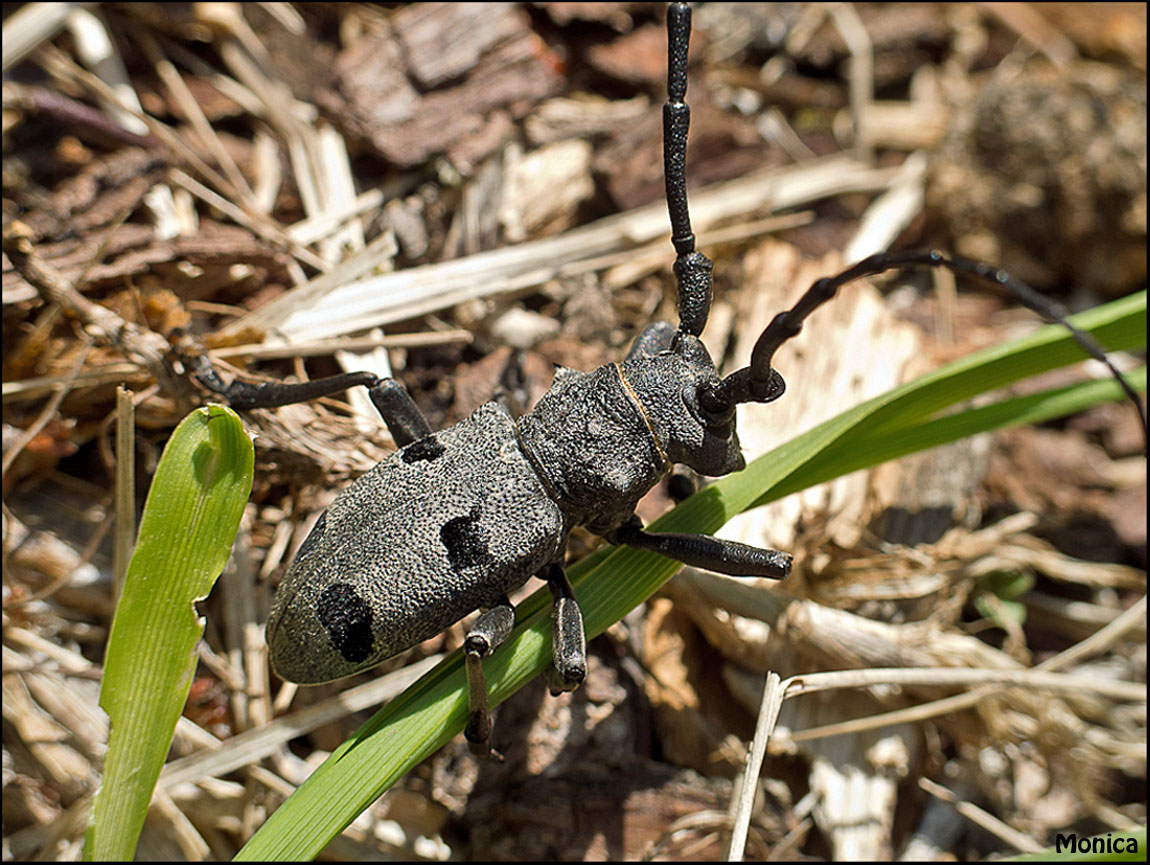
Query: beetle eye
x=715, y=406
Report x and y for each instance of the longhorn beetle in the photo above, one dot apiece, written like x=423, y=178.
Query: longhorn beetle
x=455, y=520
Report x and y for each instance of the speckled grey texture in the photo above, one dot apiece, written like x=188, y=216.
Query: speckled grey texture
x=442, y=527
x=588, y=438
x=457, y=519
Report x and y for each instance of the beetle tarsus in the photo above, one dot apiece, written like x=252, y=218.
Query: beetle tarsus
x=489, y=631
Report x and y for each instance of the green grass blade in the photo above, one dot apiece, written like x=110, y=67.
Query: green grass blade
x=193, y=510
x=612, y=582
x=1119, y=325
x=868, y=449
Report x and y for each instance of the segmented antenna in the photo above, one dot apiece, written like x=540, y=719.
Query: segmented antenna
x=758, y=382
x=692, y=269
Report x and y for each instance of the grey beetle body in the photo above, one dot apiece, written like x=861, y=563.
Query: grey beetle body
x=457, y=519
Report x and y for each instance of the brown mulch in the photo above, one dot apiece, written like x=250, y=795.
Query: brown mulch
x=284, y=141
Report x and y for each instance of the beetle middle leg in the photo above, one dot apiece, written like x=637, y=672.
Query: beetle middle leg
x=489, y=631
x=404, y=420
x=569, y=643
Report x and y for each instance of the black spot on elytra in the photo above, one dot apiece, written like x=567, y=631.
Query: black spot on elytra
x=426, y=448
x=466, y=541
x=313, y=537
x=347, y=618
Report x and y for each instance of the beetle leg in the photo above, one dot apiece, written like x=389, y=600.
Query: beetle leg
x=706, y=552
x=489, y=631
x=398, y=410
x=513, y=390
x=681, y=484
x=404, y=420
x=269, y=394
x=569, y=643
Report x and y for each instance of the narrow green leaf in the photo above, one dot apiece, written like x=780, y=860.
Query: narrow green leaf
x=193, y=510
x=868, y=448
x=612, y=582
x=1118, y=325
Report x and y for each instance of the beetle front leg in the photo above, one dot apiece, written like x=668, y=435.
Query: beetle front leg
x=569, y=642
x=706, y=552
x=491, y=628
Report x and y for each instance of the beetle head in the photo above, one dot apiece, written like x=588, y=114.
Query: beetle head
x=672, y=377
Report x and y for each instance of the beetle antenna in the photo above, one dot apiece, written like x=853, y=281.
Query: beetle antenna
x=692, y=269
x=759, y=382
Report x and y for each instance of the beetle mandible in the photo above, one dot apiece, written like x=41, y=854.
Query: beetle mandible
x=455, y=520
